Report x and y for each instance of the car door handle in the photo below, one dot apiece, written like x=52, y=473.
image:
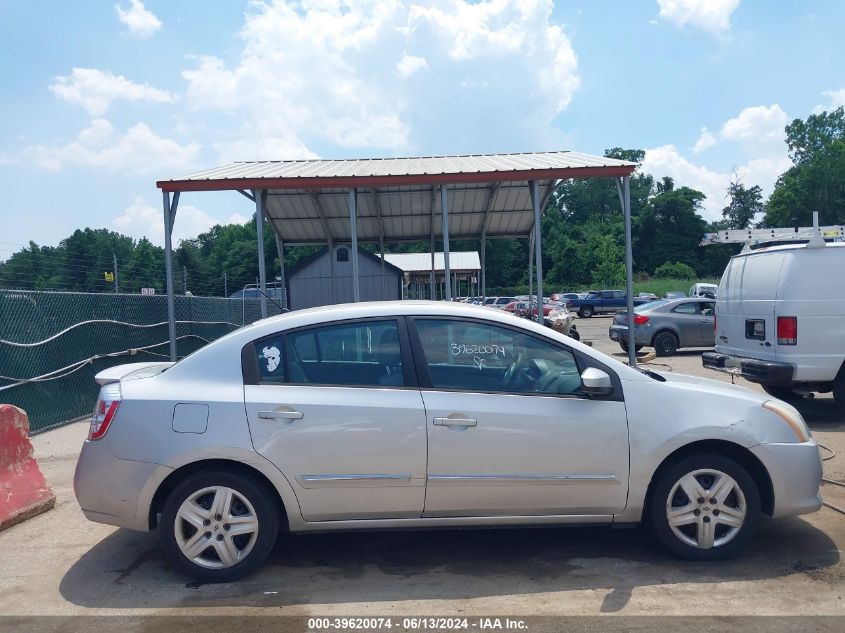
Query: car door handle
x=280, y=415
x=455, y=422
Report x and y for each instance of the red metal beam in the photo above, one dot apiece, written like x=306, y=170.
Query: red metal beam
x=342, y=182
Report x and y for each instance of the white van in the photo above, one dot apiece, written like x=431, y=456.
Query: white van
x=780, y=319
x=704, y=290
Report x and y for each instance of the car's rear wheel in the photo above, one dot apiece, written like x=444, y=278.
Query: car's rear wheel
x=624, y=346
x=704, y=507
x=217, y=526
x=665, y=344
x=586, y=312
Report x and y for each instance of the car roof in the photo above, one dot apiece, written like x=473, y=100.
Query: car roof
x=785, y=247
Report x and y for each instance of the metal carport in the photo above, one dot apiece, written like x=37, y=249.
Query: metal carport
x=400, y=199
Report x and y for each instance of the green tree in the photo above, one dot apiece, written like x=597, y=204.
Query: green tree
x=670, y=228
x=674, y=270
x=744, y=204
x=816, y=180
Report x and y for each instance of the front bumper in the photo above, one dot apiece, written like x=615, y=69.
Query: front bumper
x=765, y=372
x=796, y=474
x=115, y=491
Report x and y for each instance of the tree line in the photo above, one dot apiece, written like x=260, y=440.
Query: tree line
x=582, y=232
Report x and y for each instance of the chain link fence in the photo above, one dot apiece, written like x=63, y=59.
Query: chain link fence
x=52, y=344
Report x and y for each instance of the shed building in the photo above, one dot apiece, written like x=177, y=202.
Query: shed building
x=326, y=277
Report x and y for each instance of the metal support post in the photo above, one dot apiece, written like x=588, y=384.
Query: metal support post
x=353, y=226
x=629, y=269
x=260, y=200
x=538, y=246
x=169, y=218
x=444, y=210
x=280, y=250
x=483, y=280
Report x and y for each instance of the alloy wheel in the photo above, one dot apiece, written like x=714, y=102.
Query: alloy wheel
x=706, y=508
x=216, y=527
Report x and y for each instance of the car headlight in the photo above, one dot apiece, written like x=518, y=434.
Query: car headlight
x=791, y=417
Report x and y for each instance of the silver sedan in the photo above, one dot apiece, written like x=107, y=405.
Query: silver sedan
x=416, y=415
x=668, y=324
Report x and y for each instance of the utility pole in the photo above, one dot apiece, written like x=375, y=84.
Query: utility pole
x=225, y=285
x=114, y=262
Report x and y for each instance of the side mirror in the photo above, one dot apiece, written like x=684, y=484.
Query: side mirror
x=595, y=382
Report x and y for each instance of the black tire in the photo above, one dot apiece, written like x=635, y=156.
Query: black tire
x=656, y=513
x=787, y=394
x=256, y=493
x=839, y=389
x=573, y=333
x=586, y=312
x=624, y=346
x=665, y=343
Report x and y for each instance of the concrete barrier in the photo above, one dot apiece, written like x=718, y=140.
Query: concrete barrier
x=23, y=490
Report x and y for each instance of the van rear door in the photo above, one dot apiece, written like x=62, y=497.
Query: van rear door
x=745, y=324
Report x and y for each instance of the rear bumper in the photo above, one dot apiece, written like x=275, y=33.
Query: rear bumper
x=619, y=333
x=115, y=491
x=765, y=372
x=796, y=474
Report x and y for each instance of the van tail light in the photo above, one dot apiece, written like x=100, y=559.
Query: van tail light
x=104, y=410
x=788, y=330
x=640, y=319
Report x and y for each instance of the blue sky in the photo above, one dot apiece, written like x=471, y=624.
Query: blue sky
x=101, y=99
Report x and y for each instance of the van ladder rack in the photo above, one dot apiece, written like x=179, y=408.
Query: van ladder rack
x=815, y=235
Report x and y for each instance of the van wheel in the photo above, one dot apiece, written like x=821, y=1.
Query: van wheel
x=704, y=507
x=787, y=394
x=586, y=312
x=839, y=389
x=218, y=525
x=665, y=344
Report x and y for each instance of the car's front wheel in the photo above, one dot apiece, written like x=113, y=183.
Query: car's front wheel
x=704, y=507
x=217, y=526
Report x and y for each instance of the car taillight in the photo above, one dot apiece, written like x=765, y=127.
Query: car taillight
x=640, y=319
x=104, y=410
x=788, y=330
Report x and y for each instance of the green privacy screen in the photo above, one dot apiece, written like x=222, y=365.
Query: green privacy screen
x=52, y=344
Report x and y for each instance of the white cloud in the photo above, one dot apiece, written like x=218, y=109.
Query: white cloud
x=705, y=141
x=141, y=219
x=95, y=90
x=666, y=160
x=756, y=124
x=836, y=99
x=713, y=16
x=138, y=150
x=409, y=64
x=138, y=19
x=312, y=74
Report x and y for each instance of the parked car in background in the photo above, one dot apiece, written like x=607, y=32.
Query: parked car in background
x=601, y=302
x=561, y=297
x=498, y=302
x=704, y=290
x=410, y=415
x=667, y=325
x=675, y=294
x=649, y=296
x=781, y=319
x=519, y=308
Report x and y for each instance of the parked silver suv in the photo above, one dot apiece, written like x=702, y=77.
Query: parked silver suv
x=417, y=414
